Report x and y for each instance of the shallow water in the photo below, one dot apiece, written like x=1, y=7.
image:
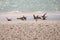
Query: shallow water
x=52, y=17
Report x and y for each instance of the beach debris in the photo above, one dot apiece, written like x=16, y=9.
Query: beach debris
x=22, y=18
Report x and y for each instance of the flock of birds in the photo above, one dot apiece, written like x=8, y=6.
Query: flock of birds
x=43, y=17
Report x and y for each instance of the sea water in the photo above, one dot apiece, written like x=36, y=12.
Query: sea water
x=29, y=5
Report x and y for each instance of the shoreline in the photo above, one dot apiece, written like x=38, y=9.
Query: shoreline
x=29, y=16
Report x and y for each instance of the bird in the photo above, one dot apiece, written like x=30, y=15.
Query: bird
x=36, y=17
x=8, y=19
x=44, y=16
x=22, y=18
